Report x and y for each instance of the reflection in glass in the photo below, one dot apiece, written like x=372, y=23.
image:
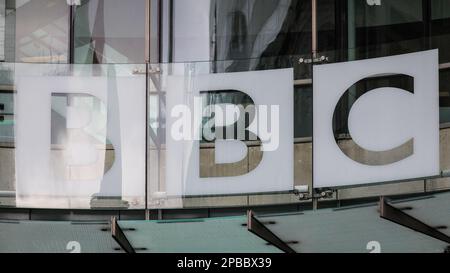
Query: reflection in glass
x=41, y=30
x=394, y=27
x=80, y=136
x=111, y=31
x=440, y=28
x=444, y=96
x=303, y=111
x=7, y=122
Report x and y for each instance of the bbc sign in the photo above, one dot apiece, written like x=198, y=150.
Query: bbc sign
x=392, y=129
x=79, y=134
x=393, y=126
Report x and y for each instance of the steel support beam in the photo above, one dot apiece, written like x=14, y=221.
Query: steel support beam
x=120, y=238
x=260, y=230
x=397, y=216
x=72, y=13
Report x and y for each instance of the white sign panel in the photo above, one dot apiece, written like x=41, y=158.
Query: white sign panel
x=393, y=122
x=78, y=137
x=272, y=94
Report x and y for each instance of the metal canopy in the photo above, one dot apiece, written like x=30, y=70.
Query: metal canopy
x=412, y=225
x=56, y=237
x=356, y=229
x=215, y=235
x=433, y=210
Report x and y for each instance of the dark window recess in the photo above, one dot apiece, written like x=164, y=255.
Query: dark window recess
x=340, y=121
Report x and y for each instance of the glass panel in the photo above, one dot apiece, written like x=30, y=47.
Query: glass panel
x=231, y=36
x=387, y=13
x=7, y=151
x=440, y=38
x=79, y=136
x=243, y=35
x=56, y=237
x=329, y=35
x=2, y=29
x=253, y=29
x=440, y=9
x=303, y=111
x=237, y=36
x=110, y=31
x=444, y=94
x=353, y=230
x=355, y=30
x=174, y=185
x=41, y=31
x=429, y=210
x=440, y=25
x=393, y=27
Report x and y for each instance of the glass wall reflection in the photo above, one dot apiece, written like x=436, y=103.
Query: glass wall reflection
x=37, y=30
x=210, y=37
x=73, y=136
x=111, y=31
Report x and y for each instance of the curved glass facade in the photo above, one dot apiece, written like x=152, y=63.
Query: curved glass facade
x=85, y=89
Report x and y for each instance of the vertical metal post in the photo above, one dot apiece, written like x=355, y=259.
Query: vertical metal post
x=314, y=28
x=147, y=30
x=147, y=97
x=427, y=21
x=314, y=55
x=351, y=30
x=72, y=10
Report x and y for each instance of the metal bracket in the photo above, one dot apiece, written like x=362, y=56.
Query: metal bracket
x=306, y=196
x=119, y=237
x=138, y=71
x=321, y=59
x=397, y=216
x=260, y=230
